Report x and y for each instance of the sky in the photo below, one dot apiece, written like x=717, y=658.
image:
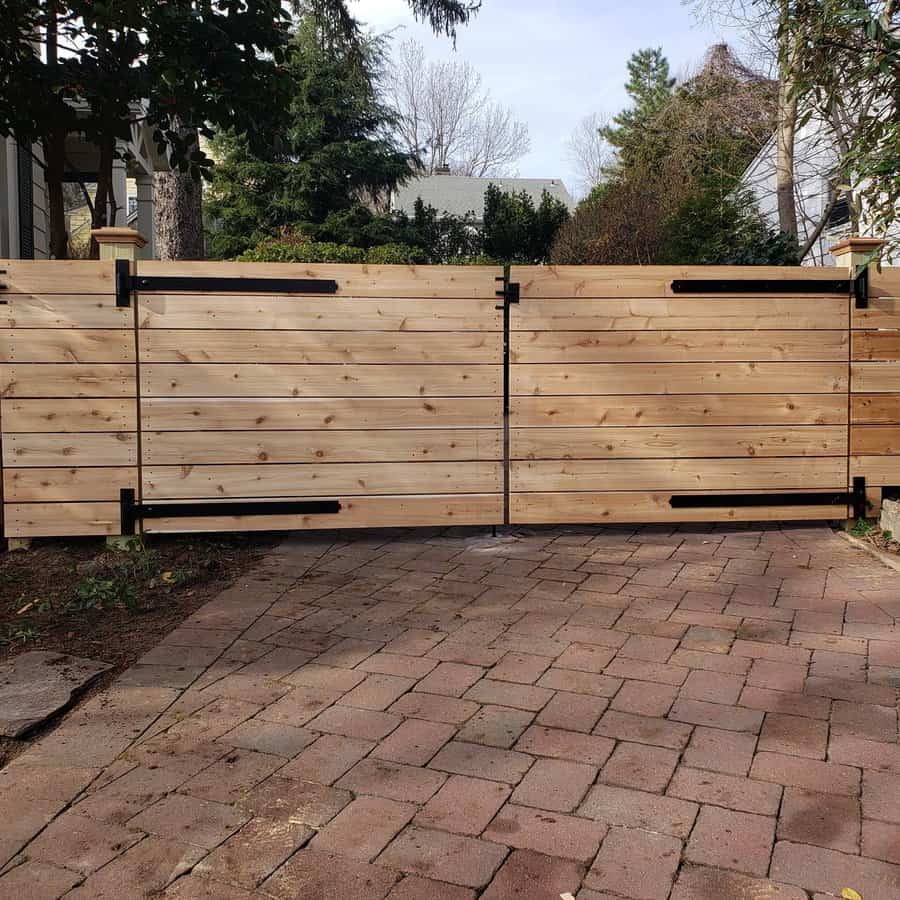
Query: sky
x=553, y=63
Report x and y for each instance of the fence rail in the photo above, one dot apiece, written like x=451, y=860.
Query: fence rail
x=219, y=392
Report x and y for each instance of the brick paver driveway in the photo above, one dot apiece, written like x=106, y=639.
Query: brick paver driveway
x=643, y=713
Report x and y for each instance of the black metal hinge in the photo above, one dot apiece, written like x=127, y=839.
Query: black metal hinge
x=510, y=292
x=861, y=288
x=813, y=498
x=131, y=511
x=760, y=286
x=126, y=283
x=858, y=497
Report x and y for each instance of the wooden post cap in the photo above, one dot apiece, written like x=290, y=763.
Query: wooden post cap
x=118, y=235
x=856, y=245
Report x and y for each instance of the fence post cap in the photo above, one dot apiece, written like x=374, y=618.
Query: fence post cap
x=118, y=235
x=856, y=245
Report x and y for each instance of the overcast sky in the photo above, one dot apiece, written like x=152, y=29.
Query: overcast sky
x=553, y=63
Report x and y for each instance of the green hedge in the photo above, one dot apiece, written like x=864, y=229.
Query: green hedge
x=291, y=250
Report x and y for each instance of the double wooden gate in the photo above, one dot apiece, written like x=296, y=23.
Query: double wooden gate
x=231, y=396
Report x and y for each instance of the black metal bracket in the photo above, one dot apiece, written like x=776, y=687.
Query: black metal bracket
x=126, y=283
x=861, y=288
x=510, y=293
x=760, y=286
x=123, y=282
x=858, y=498
x=814, y=498
x=3, y=286
x=131, y=511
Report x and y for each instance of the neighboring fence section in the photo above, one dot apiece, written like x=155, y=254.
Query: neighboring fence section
x=231, y=396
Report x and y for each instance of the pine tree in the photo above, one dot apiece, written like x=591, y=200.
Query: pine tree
x=633, y=133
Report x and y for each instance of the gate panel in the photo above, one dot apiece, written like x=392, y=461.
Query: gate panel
x=624, y=395
x=875, y=387
x=68, y=410
x=385, y=396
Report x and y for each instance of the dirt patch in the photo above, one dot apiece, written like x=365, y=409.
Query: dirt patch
x=76, y=596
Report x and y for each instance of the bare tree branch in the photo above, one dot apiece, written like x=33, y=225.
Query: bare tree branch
x=589, y=153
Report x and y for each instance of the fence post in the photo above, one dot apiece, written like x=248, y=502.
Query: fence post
x=856, y=253
x=123, y=243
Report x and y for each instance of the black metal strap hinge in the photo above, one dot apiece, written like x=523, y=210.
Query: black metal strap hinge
x=131, y=511
x=126, y=283
x=858, y=498
x=718, y=501
x=761, y=286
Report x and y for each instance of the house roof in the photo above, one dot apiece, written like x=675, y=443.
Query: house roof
x=461, y=194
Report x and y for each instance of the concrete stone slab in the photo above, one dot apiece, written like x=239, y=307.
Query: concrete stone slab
x=37, y=684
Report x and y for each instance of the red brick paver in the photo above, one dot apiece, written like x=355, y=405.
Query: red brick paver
x=683, y=713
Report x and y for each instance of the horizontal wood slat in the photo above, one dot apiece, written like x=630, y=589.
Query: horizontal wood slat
x=69, y=415
x=322, y=314
x=265, y=447
x=320, y=346
x=70, y=449
x=55, y=345
x=875, y=377
x=681, y=314
x=875, y=440
x=39, y=380
x=356, y=512
x=809, y=473
x=61, y=519
x=618, y=507
x=877, y=470
x=874, y=409
x=335, y=414
x=63, y=311
x=245, y=380
x=677, y=378
x=311, y=480
x=66, y=484
x=697, y=442
x=680, y=409
x=30, y=276
x=876, y=345
x=676, y=346
x=647, y=281
x=425, y=282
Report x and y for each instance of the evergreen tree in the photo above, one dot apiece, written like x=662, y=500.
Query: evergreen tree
x=333, y=148
x=514, y=230
x=634, y=132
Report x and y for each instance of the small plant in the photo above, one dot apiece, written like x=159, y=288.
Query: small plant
x=18, y=633
x=887, y=535
x=862, y=528
x=102, y=593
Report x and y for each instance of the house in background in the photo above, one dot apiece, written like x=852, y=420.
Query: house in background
x=462, y=194
x=23, y=195
x=816, y=161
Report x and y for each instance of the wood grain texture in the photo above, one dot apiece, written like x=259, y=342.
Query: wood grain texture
x=681, y=314
x=266, y=447
x=680, y=409
x=63, y=311
x=677, y=378
x=237, y=311
x=808, y=473
x=676, y=346
x=66, y=484
x=61, y=519
x=645, y=281
x=875, y=440
x=618, y=507
x=876, y=345
x=327, y=414
x=26, y=276
x=197, y=346
x=315, y=480
x=875, y=377
x=356, y=512
x=88, y=449
x=879, y=471
x=750, y=441
x=57, y=345
x=240, y=380
x=437, y=282
x=874, y=409
x=40, y=380
x=68, y=415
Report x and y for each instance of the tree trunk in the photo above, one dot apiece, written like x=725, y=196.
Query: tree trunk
x=179, y=215
x=786, y=129
x=105, y=205
x=54, y=145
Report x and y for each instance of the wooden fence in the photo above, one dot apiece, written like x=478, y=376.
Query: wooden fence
x=231, y=396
